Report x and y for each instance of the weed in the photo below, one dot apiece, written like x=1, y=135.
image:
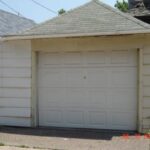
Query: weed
x=23, y=146
x=2, y=144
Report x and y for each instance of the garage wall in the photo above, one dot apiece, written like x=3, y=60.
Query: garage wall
x=15, y=83
x=110, y=43
x=15, y=72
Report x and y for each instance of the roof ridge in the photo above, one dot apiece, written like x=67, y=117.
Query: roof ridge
x=127, y=16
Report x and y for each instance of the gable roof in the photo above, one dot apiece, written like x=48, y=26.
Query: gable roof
x=11, y=23
x=93, y=18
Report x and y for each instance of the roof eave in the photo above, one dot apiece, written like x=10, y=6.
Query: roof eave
x=30, y=37
x=140, y=15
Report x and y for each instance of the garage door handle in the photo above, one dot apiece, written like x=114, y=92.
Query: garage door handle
x=84, y=77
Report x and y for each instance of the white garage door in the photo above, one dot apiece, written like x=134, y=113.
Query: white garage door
x=94, y=89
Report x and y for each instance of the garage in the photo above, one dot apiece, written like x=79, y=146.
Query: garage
x=88, y=68
x=88, y=89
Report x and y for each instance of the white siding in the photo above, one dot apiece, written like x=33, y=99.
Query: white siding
x=146, y=89
x=15, y=72
x=15, y=83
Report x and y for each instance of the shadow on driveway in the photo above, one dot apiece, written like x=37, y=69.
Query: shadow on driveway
x=66, y=133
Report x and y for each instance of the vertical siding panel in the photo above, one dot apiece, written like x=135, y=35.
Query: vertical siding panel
x=146, y=89
x=34, y=108
x=140, y=89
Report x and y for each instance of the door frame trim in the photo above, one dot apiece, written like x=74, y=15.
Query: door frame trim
x=34, y=97
x=140, y=88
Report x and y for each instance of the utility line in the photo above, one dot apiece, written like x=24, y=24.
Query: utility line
x=12, y=9
x=41, y=5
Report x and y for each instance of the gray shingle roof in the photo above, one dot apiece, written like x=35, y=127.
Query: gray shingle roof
x=137, y=12
x=91, y=18
x=11, y=23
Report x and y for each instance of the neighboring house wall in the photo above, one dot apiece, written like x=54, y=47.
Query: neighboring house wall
x=15, y=83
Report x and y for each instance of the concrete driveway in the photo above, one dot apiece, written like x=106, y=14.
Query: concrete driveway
x=62, y=139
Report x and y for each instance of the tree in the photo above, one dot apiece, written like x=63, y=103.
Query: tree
x=122, y=6
x=61, y=11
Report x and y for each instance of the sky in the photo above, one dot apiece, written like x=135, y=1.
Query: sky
x=30, y=10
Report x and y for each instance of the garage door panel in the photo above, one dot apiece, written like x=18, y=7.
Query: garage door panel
x=96, y=77
x=95, y=57
x=51, y=97
x=124, y=58
x=123, y=120
x=51, y=77
x=119, y=57
x=97, y=97
x=74, y=117
x=76, y=97
x=97, y=118
x=121, y=98
x=123, y=77
x=72, y=58
x=74, y=77
x=49, y=59
x=50, y=117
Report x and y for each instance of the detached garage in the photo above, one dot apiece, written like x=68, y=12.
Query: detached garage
x=88, y=68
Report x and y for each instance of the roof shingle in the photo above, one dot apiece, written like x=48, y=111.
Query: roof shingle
x=12, y=24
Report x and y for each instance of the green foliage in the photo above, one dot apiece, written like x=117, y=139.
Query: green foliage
x=122, y=6
x=61, y=11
